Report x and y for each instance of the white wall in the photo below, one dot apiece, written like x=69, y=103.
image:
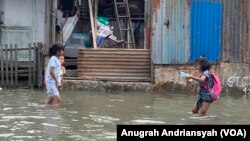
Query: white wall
x=24, y=21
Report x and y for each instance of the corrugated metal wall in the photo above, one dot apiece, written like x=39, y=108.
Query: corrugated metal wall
x=182, y=30
x=156, y=34
x=176, y=32
x=170, y=34
x=235, y=31
x=247, y=46
x=206, y=25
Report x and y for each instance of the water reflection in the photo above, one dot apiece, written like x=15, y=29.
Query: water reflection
x=93, y=116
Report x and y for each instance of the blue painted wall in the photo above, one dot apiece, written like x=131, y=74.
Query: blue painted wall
x=206, y=29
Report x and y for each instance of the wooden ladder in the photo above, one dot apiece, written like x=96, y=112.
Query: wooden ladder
x=84, y=10
x=124, y=22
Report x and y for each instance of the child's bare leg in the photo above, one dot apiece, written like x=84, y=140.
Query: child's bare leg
x=50, y=100
x=195, y=109
x=57, y=100
x=204, y=108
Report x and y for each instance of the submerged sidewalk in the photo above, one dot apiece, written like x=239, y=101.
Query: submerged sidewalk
x=104, y=86
x=89, y=85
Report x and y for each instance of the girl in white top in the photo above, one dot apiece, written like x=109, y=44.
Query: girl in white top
x=52, y=75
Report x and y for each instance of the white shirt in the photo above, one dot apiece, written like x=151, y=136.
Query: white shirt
x=56, y=64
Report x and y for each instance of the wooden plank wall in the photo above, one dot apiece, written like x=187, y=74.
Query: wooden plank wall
x=114, y=64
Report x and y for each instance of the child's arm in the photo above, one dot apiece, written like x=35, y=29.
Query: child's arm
x=52, y=74
x=198, y=79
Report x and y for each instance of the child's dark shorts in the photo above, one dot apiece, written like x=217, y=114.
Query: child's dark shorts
x=204, y=97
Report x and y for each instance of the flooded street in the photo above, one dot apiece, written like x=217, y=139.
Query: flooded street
x=93, y=116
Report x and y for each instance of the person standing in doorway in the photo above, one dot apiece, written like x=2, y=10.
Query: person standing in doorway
x=52, y=74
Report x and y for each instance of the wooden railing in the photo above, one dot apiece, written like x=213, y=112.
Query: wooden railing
x=18, y=65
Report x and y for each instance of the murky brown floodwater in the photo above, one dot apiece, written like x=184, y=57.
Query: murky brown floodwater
x=93, y=116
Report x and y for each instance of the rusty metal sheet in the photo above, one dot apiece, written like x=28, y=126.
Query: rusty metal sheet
x=235, y=31
x=170, y=32
x=247, y=41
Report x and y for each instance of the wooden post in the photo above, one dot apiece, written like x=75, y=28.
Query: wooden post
x=96, y=13
x=29, y=74
x=1, y=59
x=16, y=67
x=92, y=24
x=11, y=66
x=53, y=18
x=47, y=26
x=34, y=64
x=152, y=72
x=40, y=67
x=6, y=66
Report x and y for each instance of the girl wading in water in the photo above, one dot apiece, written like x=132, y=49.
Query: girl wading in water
x=204, y=97
x=52, y=75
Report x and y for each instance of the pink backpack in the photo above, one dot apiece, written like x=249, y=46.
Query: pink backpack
x=216, y=90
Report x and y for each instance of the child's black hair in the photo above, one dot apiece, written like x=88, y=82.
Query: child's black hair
x=204, y=63
x=54, y=48
x=200, y=58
